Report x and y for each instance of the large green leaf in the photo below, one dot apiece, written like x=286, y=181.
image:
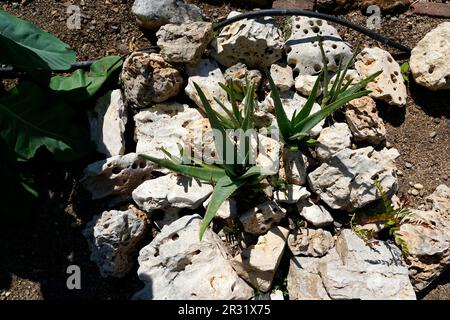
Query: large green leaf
x=224, y=188
x=208, y=174
x=25, y=46
x=30, y=120
x=82, y=85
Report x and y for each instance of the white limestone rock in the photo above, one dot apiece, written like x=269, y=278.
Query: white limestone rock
x=364, y=122
x=315, y=214
x=353, y=270
x=427, y=238
x=292, y=194
x=113, y=237
x=177, y=265
x=258, y=263
x=185, y=43
x=332, y=140
x=303, y=51
x=116, y=177
x=346, y=180
x=148, y=78
x=164, y=125
x=389, y=86
x=303, y=280
x=240, y=74
x=207, y=75
x=260, y=219
x=310, y=242
x=304, y=84
x=256, y=43
x=282, y=77
x=293, y=167
x=152, y=14
x=107, y=124
x=430, y=63
x=171, y=191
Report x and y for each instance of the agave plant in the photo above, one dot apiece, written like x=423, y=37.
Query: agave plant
x=227, y=177
x=296, y=131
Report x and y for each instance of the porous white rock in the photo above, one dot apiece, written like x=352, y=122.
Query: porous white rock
x=258, y=263
x=107, y=124
x=282, y=77
x=363, y=120
x=240, y=74
x=346, y=181
x=116, y=177
x=332, y=140
x=315, y=214
x=260, y=219
x=310, y=242
x=256, y=43
x=292, y=194
x=267, y=154
x=171, y=191
x=148, y=78
x=177, y=265
x=185, y=43
x=164, y=125
x=389, y=86
x=353, y=270
x=426, y=235
x=113, y=237
x=303, y=51
x=152, y=14
x=207, y=75
x=430, y=63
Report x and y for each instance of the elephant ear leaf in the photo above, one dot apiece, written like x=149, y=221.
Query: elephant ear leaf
x=25, y=46
x=30, y=120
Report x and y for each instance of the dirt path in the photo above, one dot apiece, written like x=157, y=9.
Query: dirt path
x=38, y=255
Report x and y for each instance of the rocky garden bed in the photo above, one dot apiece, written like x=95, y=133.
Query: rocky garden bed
x=347, y=196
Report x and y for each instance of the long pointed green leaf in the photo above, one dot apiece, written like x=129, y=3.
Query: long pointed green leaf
x=284, y=125
x=360, y=85
x=205, y=174
x=306, y=110
x=231, y=118
x=310, y=122
x=223, y=189
x=215, y=124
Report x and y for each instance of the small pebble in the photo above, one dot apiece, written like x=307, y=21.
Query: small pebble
x=414, y=192
x=422, y=193
x=7, y=294
x=388, y=144
x=418, y=186
x=399, y=173
x=408, y=165
x=433, y=135
x=411, y=184
x=437, y=120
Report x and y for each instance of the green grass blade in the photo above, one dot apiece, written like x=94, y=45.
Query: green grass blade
x=284, y=125
x=223, y=189
x=231, y=118
x=204, y=174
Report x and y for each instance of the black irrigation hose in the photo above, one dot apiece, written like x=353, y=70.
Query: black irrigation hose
x=252, y=15
x=313, y=14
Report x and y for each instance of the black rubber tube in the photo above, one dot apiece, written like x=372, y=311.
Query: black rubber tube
x=313, y=14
